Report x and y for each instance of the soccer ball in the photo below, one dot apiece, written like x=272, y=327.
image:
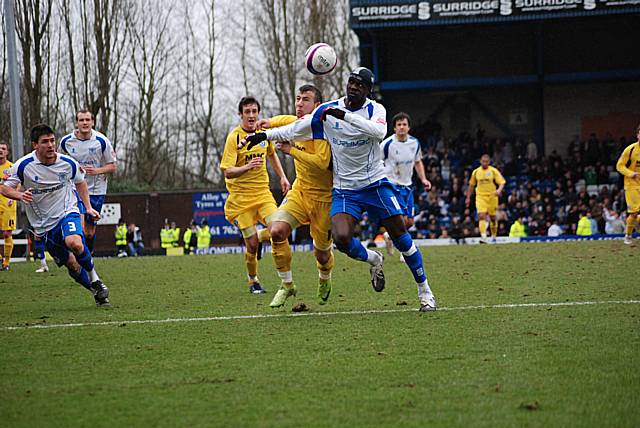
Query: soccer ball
x=320, y=59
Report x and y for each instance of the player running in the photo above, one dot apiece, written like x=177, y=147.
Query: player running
x=308, y=202
x=629, y=166
x=245, y=173
x=8, y=210
x=354, y=126
x=94, y=152
x=401, y=154
x=52, y=207
x=490, y=183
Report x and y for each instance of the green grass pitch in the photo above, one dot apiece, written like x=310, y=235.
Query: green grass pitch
x=539, y=365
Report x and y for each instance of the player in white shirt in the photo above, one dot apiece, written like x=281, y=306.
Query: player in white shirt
x=48, y=179
x=354, y=126
x=401, y=154
x=94, y=152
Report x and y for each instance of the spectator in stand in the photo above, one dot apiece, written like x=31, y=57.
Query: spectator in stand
x=121, y=238
x=584, y=225
x=135, y=243
x=614, y=224
x=554, y=230
x=518, y=229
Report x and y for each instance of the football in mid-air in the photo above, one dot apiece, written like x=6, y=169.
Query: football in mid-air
x=320, y=59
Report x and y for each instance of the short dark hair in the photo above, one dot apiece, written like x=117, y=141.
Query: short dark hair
x=39, y=130
x=248, y=100
x=85, y=110
x=310, y=88
x=401, y=116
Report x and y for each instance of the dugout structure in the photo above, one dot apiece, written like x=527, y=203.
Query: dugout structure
x=541, y=69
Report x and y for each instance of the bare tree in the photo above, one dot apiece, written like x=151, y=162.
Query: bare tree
x=151, y=55
x=32, y=27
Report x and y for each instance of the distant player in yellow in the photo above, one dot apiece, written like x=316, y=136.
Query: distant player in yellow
x=308, y=202
x=629, y=166
x=489, y=182
x=7, y=209
x=245, y=173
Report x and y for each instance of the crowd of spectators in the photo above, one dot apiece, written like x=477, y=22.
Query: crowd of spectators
x=545, y=190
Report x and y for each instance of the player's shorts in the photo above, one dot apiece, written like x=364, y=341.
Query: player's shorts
x=405, y=198
x=245, y=211
x=487, y=204
x=632, y=196
x=81, y=207
x=379, y=200
x=97, y=201
x=8, y=219
x=297, y=209
x=70, y=224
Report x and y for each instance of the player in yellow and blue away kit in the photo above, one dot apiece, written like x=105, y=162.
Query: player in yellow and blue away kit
x=489, y=182
x=308, y=202
x=8, y=210
x=629, y=166
x=245, y=174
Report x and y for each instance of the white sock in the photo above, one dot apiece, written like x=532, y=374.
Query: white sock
x=424, y=291
x=253, y=278
x=373, y=258
x=93, y=275
x=286, y=276
x=43, y=262
x=386, y=236
x=324, y=276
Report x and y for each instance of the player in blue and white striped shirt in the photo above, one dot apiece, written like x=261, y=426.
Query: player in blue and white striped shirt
x=47, y=181
x=401, y=154
x=94, y=152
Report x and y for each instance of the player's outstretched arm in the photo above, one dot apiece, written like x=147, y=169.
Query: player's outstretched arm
x=277, y=167
x=376, y=127
x=15, y=194
x=296, y=131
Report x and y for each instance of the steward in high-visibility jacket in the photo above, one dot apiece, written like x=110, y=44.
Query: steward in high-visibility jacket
x=584, y=226
x=186, y=239
x=121, y=235
x=517, y=229
x=175, y=235
x=204, y=236
x=166, y=237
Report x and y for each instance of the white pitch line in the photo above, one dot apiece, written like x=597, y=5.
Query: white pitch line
x=316, y=314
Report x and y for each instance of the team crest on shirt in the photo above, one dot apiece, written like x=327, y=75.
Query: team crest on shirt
x=263, y=144
x=62, y=177
x=92, y=150
x=487, y=174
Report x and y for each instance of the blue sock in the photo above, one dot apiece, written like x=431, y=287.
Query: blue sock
x=38, y=247
x=81, y=277
x=356, y=250
x=85, y=259
x=412, y=256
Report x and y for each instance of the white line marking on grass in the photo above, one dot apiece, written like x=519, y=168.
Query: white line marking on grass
x=315, y=314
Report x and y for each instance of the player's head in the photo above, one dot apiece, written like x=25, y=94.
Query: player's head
x=485, y=160
x=43, y=141
x=638, y=132
x=307, y=99
x=4, y=151
x=401, y=124
x=248, y=109
x=360, y=84
x=85, y=120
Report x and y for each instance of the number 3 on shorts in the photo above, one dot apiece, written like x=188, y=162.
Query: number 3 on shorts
x=72, y=226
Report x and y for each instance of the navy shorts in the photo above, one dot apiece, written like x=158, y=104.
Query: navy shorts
x=96, y=203
x=405, y=198
x=379, y=200
x=54, y=238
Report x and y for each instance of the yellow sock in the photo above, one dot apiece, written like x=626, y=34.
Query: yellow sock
x=483, y=228
x=324, y=270
x=251, y=261
x=631, y=220
x=281, y=255
x=264, y=235
x=8, y=249
x=494, y=228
